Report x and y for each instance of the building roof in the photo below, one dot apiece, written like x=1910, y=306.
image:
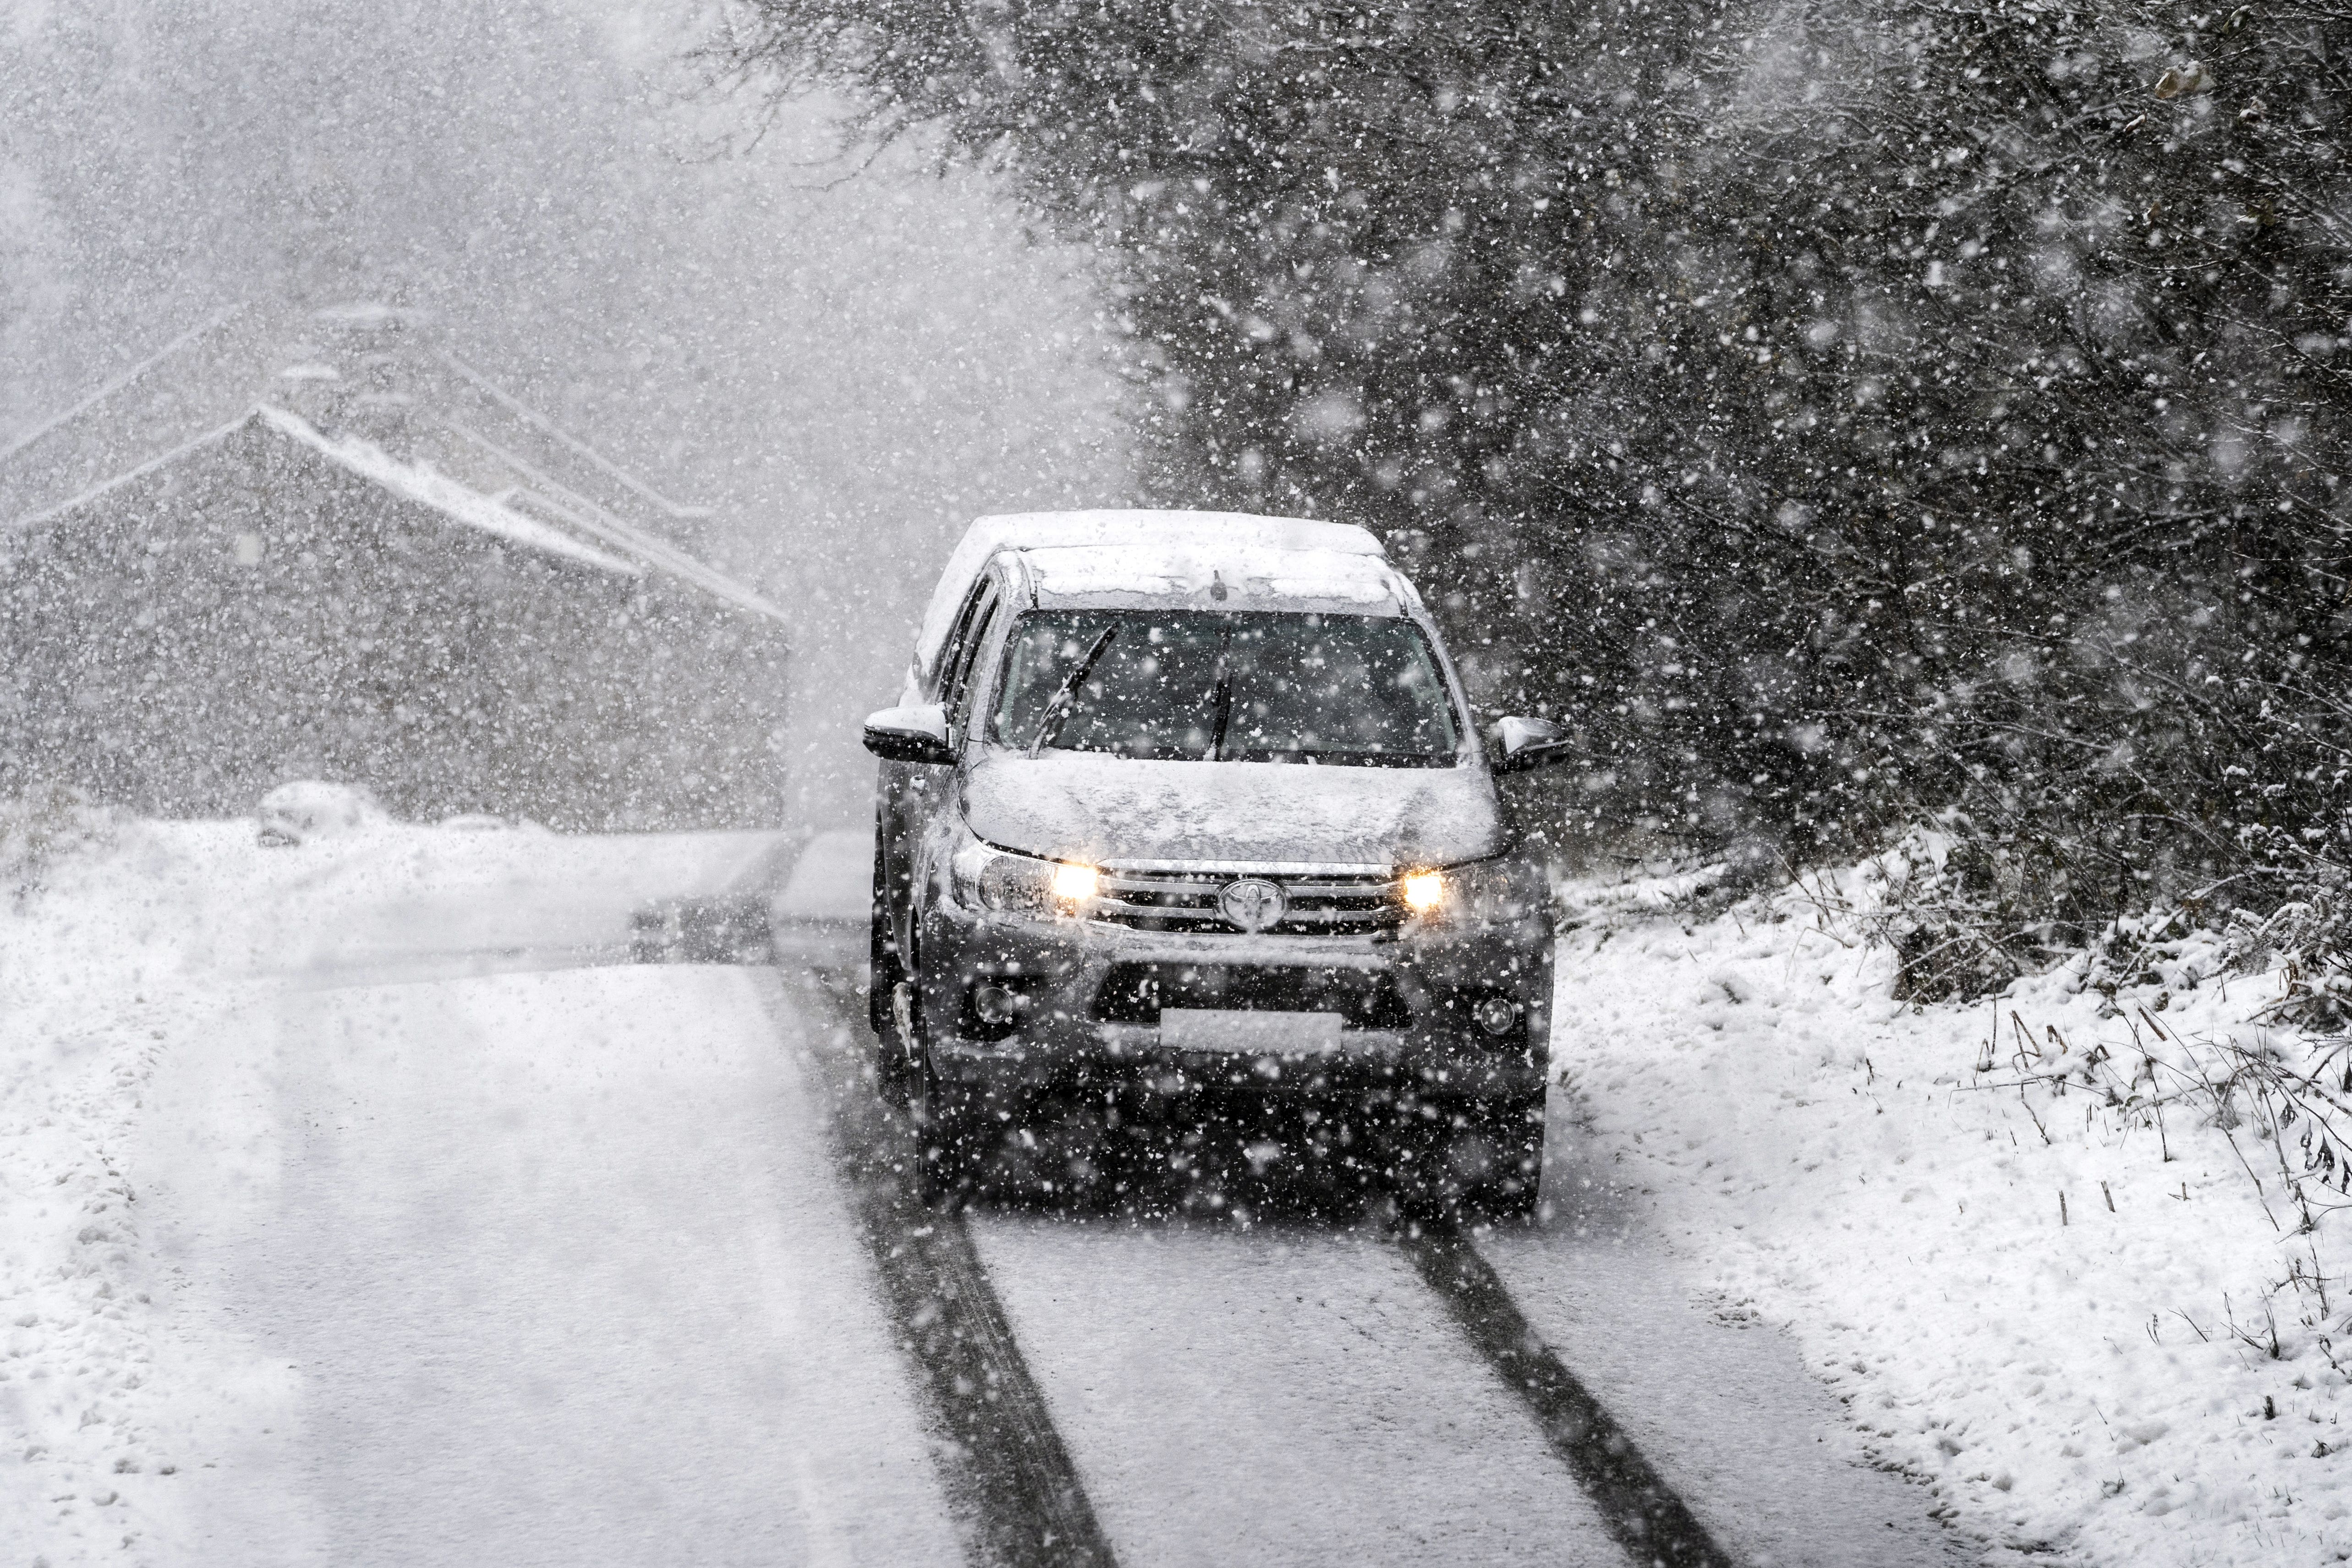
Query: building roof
x=1105, y=541
x=373, y=390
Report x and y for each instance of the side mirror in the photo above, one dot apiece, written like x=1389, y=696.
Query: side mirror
x=918, y=734
x=1524, y=743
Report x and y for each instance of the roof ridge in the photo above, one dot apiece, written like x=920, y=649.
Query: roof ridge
x=28, y=523
x=583, y=512
x=55, y=421
x=524, y=411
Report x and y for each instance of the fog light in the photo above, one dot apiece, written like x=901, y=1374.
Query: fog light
x=996, y=1004
x=1496, y=1014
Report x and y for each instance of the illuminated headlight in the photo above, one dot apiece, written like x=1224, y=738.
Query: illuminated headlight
x=1478, y=892
x=1424, y=891
x=1020, y=884
x=1075, y=884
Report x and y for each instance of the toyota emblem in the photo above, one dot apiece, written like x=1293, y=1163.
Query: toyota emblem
x=1253, y=903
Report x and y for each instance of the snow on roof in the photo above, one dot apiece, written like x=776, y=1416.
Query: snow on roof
x=417, y=482
x=1206, y=532
x=420, y=483
x=367, y=386
x=63, y=421
x=575, y=510
x=1096, y=573
x=202, y=382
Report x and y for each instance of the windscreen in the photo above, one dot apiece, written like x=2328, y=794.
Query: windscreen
x=1208, y=686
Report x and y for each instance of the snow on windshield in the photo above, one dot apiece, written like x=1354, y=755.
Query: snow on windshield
x=1202, y=686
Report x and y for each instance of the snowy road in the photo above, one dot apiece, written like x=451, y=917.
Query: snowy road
x=556, y=1265
x=567, y=1266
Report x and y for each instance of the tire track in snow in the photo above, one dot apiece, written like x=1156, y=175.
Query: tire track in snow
x=1643, y=1512
x=1009, y=1478
x=1007, y=1469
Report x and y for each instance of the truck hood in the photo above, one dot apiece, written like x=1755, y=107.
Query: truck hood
x=1089, y=806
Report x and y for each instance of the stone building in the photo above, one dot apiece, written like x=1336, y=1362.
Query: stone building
x=323, y=546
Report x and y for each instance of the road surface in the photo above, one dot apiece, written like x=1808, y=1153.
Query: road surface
x=529, y=1255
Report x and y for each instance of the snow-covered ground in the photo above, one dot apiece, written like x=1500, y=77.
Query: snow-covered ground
x=331, y=1232
x=354, y=1205
x=552, y=1263
x=2094, y=1382
x=1276, y=1398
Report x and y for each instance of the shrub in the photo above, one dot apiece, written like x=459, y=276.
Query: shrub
x=43, y=826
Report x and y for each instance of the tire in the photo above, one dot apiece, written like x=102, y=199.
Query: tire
x=883, y=969
x=1516, y=1201
x=946, y=1143
x=889, y=996
x=946, y=1131
x=1481, y=1159
x=898, y=1047
x=1513, y=1182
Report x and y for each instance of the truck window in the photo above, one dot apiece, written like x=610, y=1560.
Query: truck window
x=1210, y=686
x=956, y=694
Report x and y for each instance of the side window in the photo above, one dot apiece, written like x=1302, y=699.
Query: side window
x=963, y=670
x=952, y=653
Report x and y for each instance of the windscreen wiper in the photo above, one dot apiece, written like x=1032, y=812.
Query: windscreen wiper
x=1224, y=699
x=1049, y=728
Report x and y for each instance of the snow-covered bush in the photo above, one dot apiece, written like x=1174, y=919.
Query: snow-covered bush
x=1964, y=914
x=42, y=826
x=2313, y=936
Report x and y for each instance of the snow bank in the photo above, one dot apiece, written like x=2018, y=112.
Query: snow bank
x=93, y=989
x=2037, y=1289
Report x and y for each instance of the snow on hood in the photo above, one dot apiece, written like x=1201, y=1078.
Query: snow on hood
x=1107, y=809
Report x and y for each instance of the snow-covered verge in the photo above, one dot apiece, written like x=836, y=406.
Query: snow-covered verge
x=94, y=985
x=144, y=940
x=2049, y=1274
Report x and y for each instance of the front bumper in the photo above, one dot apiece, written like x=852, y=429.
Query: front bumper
x=1411, y=1036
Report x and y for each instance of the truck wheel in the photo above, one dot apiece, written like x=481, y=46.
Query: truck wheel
x=883, y=970
x=947, y=1142
x=1480, y=1159
x=1512, y=1178
x=899, y=1045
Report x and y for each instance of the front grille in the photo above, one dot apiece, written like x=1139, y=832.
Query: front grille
x=1333, y=903
x=1365, y=999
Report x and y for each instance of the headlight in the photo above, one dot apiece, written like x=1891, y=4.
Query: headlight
x=993, y=878
x=1479, y=892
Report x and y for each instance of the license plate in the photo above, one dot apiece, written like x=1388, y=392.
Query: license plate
x=1248, y=1031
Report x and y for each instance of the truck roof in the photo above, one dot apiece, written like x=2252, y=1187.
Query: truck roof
x=1211, y=577
x=1152, y=552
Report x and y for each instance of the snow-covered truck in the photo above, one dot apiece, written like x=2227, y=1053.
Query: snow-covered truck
x=1183, y=806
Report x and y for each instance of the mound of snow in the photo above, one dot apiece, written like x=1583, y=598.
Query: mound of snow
x=2052, y=1274
x=306, y=809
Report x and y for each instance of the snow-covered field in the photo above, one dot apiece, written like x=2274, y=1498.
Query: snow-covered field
x=2093, y=1381
x=356, y=1207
